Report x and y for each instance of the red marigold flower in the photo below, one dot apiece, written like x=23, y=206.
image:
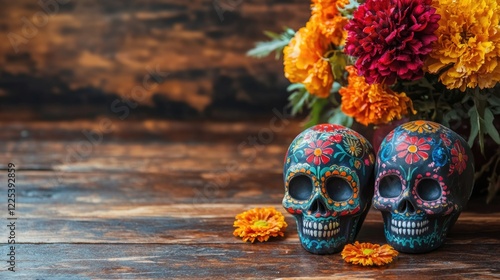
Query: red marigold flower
x=391, y=39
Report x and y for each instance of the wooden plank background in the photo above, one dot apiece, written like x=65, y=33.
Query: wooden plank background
x=157, y=199
x=88, y=53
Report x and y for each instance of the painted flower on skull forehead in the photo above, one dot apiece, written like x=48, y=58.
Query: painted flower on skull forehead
x=413, y=149
x=421, y=126
x=318, y=152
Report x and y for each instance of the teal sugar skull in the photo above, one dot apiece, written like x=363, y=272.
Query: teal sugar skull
x=425, y=176
x=328, y=186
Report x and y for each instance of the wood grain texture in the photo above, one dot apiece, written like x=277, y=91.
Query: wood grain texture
x=222, y=261
x=88, y=53
x=157, y=199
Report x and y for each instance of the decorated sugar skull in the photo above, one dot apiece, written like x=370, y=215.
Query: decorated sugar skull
x=424, y=178
x=328, y=186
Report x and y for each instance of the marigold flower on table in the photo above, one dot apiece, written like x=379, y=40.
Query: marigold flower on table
x=391, y=39
x=368, y=254
x=305, y=63
x=372, y=104
x=468, y=44
x=260, y=224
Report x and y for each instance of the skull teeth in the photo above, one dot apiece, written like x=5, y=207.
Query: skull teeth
x=320, y=233
x=320, y=226
x=404, y=224
x=320, y=229
x=409, y=227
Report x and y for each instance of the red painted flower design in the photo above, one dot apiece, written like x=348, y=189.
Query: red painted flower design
x=319, y=152
x=337, y=138
x=389, y=136
x=327, y=127
x=459, y=157
x=446, y=140
x=413, y=149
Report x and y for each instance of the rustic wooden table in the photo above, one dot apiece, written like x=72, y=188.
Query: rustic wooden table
x=157, y=199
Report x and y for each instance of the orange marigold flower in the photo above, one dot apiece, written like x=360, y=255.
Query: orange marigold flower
x=372, y=104
x=304, y=62
x=468, y=45
x=329, y=20
x=260, y=224
x=368, y=254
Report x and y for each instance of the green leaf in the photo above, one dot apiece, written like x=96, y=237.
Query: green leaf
x=263, y=49
x=474, y=125
x=477, y=114
x=317, y=108
x=336, y=116
x=466, y=98
x=312, y=102
x=494, y=103
x=294, y=87
x=278, y=42
x=494, y=100
x=426, y=84
x=449, y=116
x=272, y=35
x=336, y=87
x=338, y=62
x=298, y=99
x=349, y=9
x=489, y=125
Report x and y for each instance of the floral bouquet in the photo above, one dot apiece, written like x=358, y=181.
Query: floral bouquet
x=377, y=61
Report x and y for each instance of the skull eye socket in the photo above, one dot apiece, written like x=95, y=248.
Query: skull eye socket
x=338, y=189
x=429, y=189
x=300, y=187
x=390, y=186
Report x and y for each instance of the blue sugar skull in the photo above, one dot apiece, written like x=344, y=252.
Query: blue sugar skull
x=328, y=186
x=425, y=176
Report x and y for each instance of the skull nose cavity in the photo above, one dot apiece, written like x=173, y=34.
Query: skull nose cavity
x=405, y=206
x=317, y=207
